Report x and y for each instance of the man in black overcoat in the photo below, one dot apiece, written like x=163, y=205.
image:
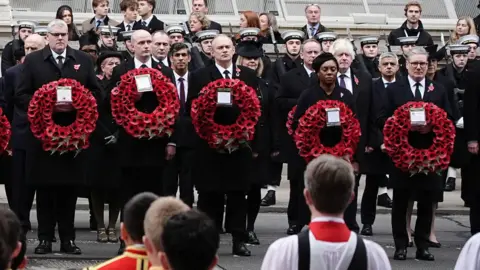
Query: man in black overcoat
x=148, y=21
x=142, y=160
x=359, y=83
x=215, y=173
x=292, y=84
x=420, y=187
x=55, y=176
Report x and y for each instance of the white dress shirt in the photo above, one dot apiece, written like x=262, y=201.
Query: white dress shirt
x=347, y=79
x=125, y=24
x=56, y=55
x=283, y=253
x=385, y=82
x=185, y=83
x=147, y=21
x=138, y=64
x=413, y=87
x=221, y=69
x=309, y=71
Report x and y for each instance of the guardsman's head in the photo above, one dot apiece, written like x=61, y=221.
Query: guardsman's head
x=131, y=228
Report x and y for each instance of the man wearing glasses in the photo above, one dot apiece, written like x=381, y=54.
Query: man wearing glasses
x=420, y=187
x=56, y=176
x=313, y=26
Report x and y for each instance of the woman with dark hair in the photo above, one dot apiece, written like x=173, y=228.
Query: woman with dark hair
x=10, y=244
x=65, y=13
x=268, y=20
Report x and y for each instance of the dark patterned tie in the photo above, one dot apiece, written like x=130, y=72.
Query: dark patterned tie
x=182, y=94
x=129, y=27
x=143, y=66
x=226, y=72
x=60, y=61
x=98, y=23
x=418, y=94
x=342, y=81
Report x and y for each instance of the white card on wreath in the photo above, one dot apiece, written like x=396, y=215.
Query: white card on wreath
x=417, y=117
x=64, y=94
x=144, y=83
x=333, y=117
x=224, y=97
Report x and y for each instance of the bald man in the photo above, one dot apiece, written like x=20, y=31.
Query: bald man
x=142, y=161
x=216, y=174
x=21, y=198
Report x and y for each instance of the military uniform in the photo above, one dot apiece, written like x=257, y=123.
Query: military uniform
x=134, y=258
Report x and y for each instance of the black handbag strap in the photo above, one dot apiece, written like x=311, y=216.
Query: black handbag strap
x=359, y=259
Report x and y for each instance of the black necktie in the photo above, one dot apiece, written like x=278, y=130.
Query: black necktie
x=226, y=72
x=387, y=84
x=98, y=23
x=418, y=94
x=182, y=94
x=143, y=66
x=129, y=27
x=60, y=61
x=144, y=23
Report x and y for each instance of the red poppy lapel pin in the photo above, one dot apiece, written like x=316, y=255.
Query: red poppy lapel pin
x=355, y=79
x=431, y=87
x=159, y=66
x=76, y=67
x=238, y=72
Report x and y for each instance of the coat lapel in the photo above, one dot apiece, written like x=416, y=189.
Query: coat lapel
x=408, y=89
x=303, y=76
x=427, y=95
x=215, y=73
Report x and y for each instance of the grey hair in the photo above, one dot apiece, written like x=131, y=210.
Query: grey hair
x=417, y=51
x=56, y=23
x=388, y=55
x=342, y=45
x=272, y=20
x=310, y=40
x=312, y=5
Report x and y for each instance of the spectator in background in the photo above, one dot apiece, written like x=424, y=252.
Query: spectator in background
x=129, y=11
x=465, y=26
x=413, y=26
x=149, y=21
x=100, y=9
x=65, y=13
x=477, y=21
x=202, y=6
x=248, y=19
x=197, y=22
x=313, y=26
x=268, y=20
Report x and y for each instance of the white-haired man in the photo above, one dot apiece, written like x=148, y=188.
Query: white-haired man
x=55, y=176
x=359, y=83
x=420, y=187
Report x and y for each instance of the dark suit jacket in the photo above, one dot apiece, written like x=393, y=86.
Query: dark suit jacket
x=154, y=25
x=184, y=128
x=320, y=29
x=397, y=95
x=141, y=152
x=8, y=57
x=40, y=68
x=424, y=38
x=17, y=117
x=215, y=26
x=216, y=171
x=122, y=29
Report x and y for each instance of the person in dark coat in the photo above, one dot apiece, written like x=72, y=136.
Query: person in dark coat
x=313, y=26
x=291, y=60
x=292, y=84
x=202, y=6
x=25, y=28
x=22, y=193
x=127, y=40
x=476, y=20
x=369, y=46
x=412, y=27
x=148, y=21
x=204, y=39
x=129, y=10
x=88, y=43
x=103, y=169
x=359, y=83
x=420, y=187
x=249, y=55
x=375, y=192
x=252, y=33
x=142, y=161
x=406, y=45
x=55, y=176
x=65, y=13
x=108, y=38
x=219, y=173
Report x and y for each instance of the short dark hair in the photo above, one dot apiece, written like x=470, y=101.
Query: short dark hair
x=127, y=4
x=152, y=3
x=176, y=47
x=10, y=231
x=204, y=1
x=191, y=235
x=134, y=214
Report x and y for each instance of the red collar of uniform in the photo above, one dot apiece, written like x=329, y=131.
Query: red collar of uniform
x=330, y=231
x=137, y=250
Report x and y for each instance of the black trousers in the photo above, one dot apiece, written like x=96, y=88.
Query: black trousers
x=178, y=173
x=136, y=180
x=401, y=197
x=474, y=214
x=298, y=212
x=276, y=173
x=212, y=204
x=56, y=204
x=254, y=198
x=350, y=214
x=369, y=199
x=22, y=193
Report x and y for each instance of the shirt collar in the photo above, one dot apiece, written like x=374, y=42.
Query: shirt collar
x=347, y=73
x=413, y=82
x=316, y=26
x=328, y=219
x=178, y=76
x=55, y=55
x=385, y=81
x=138, y=63
x=309, y=71
x=148, y=20
x=221, y=69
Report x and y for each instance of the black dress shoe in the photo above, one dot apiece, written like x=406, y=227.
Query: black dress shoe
x=121, y=249
x=424, y=255
x=367, y=230
x=450, y=184
x=410, y=244
x=400, y=254
x=293, y=229
x=239, y=249
x=44, y=247
x=269, y=199
x=384, y=201
x=69, y=247
x=54, y=239
x=93, y=224
x=434, y=244
x=252, y=239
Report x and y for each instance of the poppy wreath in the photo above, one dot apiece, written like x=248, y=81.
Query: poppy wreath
x=413, y=160
x=226, y=137
x=290, y=120
x=5, y=132
x=160, y=122
x=307, y=137
x=57, y=138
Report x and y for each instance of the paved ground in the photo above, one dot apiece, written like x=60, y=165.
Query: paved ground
x=452, y=232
